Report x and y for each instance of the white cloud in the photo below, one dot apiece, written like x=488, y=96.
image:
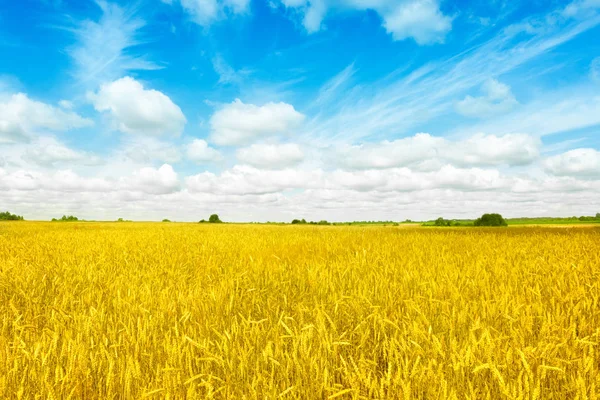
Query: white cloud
x=105, y=49
x=21, y=118
x=497, y=99
x=200, y=152
x=47, y=151
x=60, y=181
x=146, y=150
x=581, y=163
x=421, y=20
x=205, y=12
x=271, y=156
x=424, y=152
x=137, y=110
x=490, y=150
x=238, y=123
x=163, y=180
x=395, y=193
x=151, y=181
x=66, y=104
x=243, y=180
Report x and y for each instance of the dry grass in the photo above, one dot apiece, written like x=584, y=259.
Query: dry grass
x=94, y=310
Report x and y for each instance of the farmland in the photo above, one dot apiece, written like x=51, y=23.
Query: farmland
x=153, y=310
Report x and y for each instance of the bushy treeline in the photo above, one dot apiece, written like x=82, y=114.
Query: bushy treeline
x=304, y=222
x=485, y=220
x=7, y=216
x=490, y=220
x=65, y=218
x=213, y=219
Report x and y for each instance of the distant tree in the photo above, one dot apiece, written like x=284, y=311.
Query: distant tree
x=166, y=220
x=214, y=219
x=490, y=220
x=6, y=216
x=65, y=218
x=202, y=221
x=295, y=222
x=120, y=220
x=598, y=215
x=442, y=222
x=323, y=222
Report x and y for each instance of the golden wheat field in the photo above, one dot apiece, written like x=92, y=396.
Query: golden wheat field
x=191, y=311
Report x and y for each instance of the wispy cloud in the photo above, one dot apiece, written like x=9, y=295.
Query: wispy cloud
x=400, y=104
x=105, y=49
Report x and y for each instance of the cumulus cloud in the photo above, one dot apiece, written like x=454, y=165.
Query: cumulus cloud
x=491, y=150
x=146, y=150
x=21, y=118
x=424, y=152
x=150, y=180
x=271, y=156
x=60, y=181
x=200, y=152
x=497, y=99
x=421, y=20
x=136, y=110
x=243, y=180
x=47, y=152
x=238, y=123
x=581, y=163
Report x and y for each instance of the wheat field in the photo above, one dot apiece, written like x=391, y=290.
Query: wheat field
x=191, y=311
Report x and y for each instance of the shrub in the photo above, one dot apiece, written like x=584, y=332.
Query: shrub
x=491, y=220
x=6, y=216
x=202, y=221
x=214, y=219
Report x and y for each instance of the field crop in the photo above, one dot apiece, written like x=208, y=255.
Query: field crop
x=174, y=311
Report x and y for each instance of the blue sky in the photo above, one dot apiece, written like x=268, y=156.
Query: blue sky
x=324, y=109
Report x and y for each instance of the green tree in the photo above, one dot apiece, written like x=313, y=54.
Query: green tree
x=64, y=218
x=598, y=215
x=491, y=220
x=166, y=220
x=6, y=216
x=214, y=219
x=442, y=222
